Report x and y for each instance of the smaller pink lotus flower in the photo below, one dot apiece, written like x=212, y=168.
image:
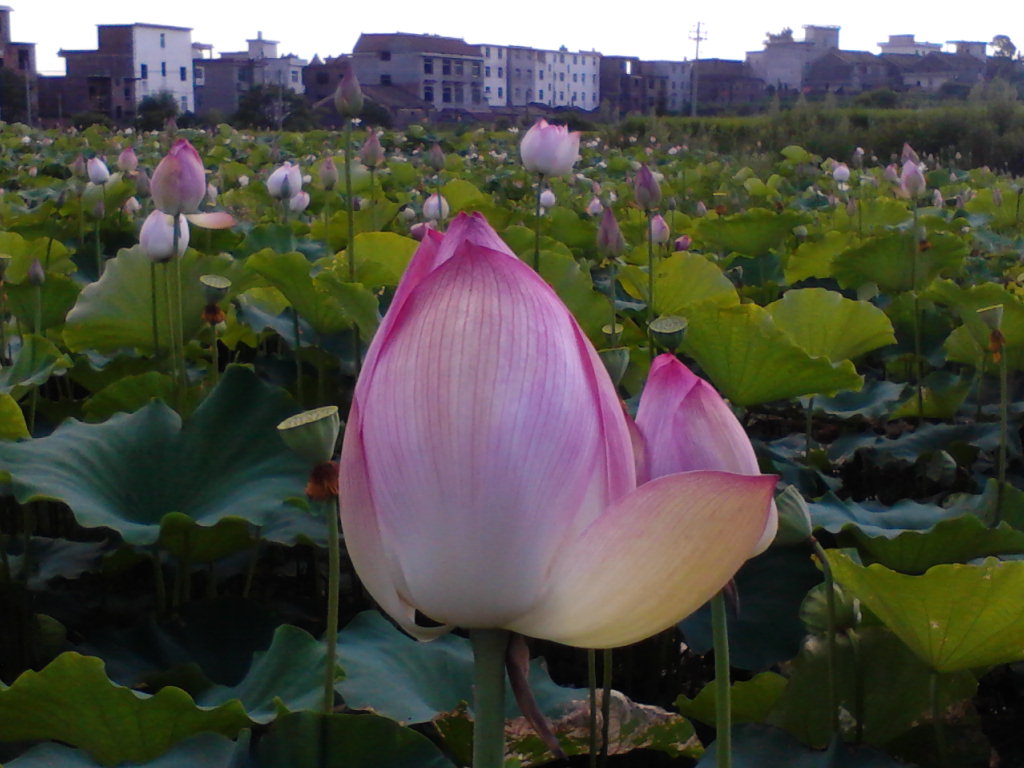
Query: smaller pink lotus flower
x=659, y=229
x=372, y=153
x=912, y=181
x=328, y=173
x=348, y=98
x=550, y=150
x=646, y=189
x=841, y=173
x=682, y=243
x=609, y=237
x=179, y=181
x=127, y=161
x=97, y=170
x=285, y=182
x=157, y=237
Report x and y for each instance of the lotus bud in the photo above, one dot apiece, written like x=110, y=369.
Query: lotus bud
x=795, y=524
x=285, y=182
x=434, y=209
x=348, y=97
x=912, y=181
x=127, y=161
x=299, y=202
x=682, y=243
x=858, y=157
x=646, y=189
x=157, y=236
x=892, y=173
x=141, y=183
x=660, y=232
x=131, y=206
x=937, y=199
x=547, y=198
x=215, y=288
x=97, y=171
x=610, y=242
x=36, y=274
x=800, y=232
x=616, y=361
x=908, y=154
x=78, y=168
x=668, y=331
x=211, y=194
x=997, y=197
x=549, y=150
x=243, y=181
x=312, y=435
x=92, y=200
x=179, y=181
x=841, y=173
x=594, y=207
x=418, y=231
x=407, y=212
x=328, y=173
x=435, y=157
x=372, y=153
x=701, y=210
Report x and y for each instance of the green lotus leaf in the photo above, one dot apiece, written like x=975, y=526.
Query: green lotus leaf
x=334, y=231
x=12, y=419
x=814, y=257
x=879, y=681
x=116, y=311
x=204, y=750
x=969, y=343
x=758, y=746
x=566, y=225
x=686, y=279
x=873, y=214
x=887, y=261
x=953, y=617
x=183, y=538
x=310, y=740
x=942, y=394
x=381, y=258
x=751, y=233
x=576, y=289
x=129, y=472
x=463, y=195
x=35, y=362
x=875, y=400
x=827, y=324
x=58, y=293
x=752, y=361
x=52, y=254
x=71, y=700
x=128, y=394
x=752, y=699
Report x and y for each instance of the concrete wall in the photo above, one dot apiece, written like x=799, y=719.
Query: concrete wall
x=166, y=54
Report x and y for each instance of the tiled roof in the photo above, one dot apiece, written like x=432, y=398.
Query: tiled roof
x=401, y=41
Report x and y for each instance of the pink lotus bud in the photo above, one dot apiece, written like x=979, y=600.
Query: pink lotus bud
x=407, y=212
x=841, y=173
x=937, y=199
x=36, y=275
x=488, y=471
x=682, y=243
x=372, y=153
x=550, y=150
x=78, y=168
x=348, y=97
x=660, y=232
x=892, y=173
x=141, y=183
x=299, y=201
x=157, y=236
x=97, y=170
x=131, y=206
x=127, y=161
x=285, y=182
x=610, y=241
x=912, y=181
x=594, y=207
x=328, y=173
x=434, y=210
x=179, y=181
x=908, y=153
x=211, y=194
x=547, y=198
x=418, y=231
x=435, y=157
x=646, y=189
x=701, y=210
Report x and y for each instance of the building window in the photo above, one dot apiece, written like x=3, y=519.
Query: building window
x=458, y=67
x=127, y=94
x=184, y=103
x=540, y=74
x=295, y=75
x=487, y=51
x=385, y=55
x=519, y=72
x=501, y=52
x=460, y=95
x=487, y=90
x=163, y=40
x=163, y=69
x=573, y=59
x=385, y=79
x=518, y=91
x=574, y=77
x=143, y=71
x=561, y=76
x=561, y=58
x=540, y=94
x=501, y=72
x=475, y=91
x=476, y=69
x=446, y=94
x=501, y=92
x=428, y=93
x=446, y=66
x=487, y=71
x=428, y=65
x=561, y=95
x=183, y=74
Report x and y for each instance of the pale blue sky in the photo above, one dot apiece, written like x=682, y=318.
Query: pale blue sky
x=653, y=29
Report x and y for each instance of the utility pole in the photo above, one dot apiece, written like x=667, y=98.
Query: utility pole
x=696, y=36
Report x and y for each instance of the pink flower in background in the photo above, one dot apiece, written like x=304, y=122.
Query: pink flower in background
x=488, y=476
x=179, y=181
x=551, y=150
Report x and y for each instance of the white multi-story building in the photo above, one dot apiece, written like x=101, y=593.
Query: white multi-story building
x=516, y=76
x=284, y=71
x=495, y=78
x=162, y=62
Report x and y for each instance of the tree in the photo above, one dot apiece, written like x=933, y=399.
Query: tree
x=271, y=106
x=12, y=96
x=1004, y=47
x=785, y=36
x=154, y=111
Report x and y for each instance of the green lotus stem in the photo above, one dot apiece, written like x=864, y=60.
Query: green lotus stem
x=27, y=528
x=723, y=692
x=152, y=296
x=250, y=572
x=810, y=426
x=1004, y=422
x=214, y=357
x=592, y=719
x=298, y=360
x=159, y=583
x=536, y=224
x=99, y=253
x=180, y=322
x=830, y=618
x=171, y=335
x=939, y=731
x=858, y=686
x=917, y=320
x=606, y=703
x=650, y=280
x=333, y=590
x=489, y=647
x=351, y=245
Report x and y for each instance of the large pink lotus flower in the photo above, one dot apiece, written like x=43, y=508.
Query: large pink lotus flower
x=549, y=149
x=488, y=478
x=685, y=425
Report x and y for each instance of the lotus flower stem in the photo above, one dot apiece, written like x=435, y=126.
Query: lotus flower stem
x=915, y=246
x=489, y=646
x=830, y=618
x=1004, y=420
x=350, y=247
x=333, y=590
x=650, y=281
x=172, y=336
x=152, y=298
x=298, y=360
x=723, y=697
x=592, y=685
x=180, y=321
x=606, y=703
x=940, y=733
x=536, y=224
x=808, y=439
x=99, y=252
